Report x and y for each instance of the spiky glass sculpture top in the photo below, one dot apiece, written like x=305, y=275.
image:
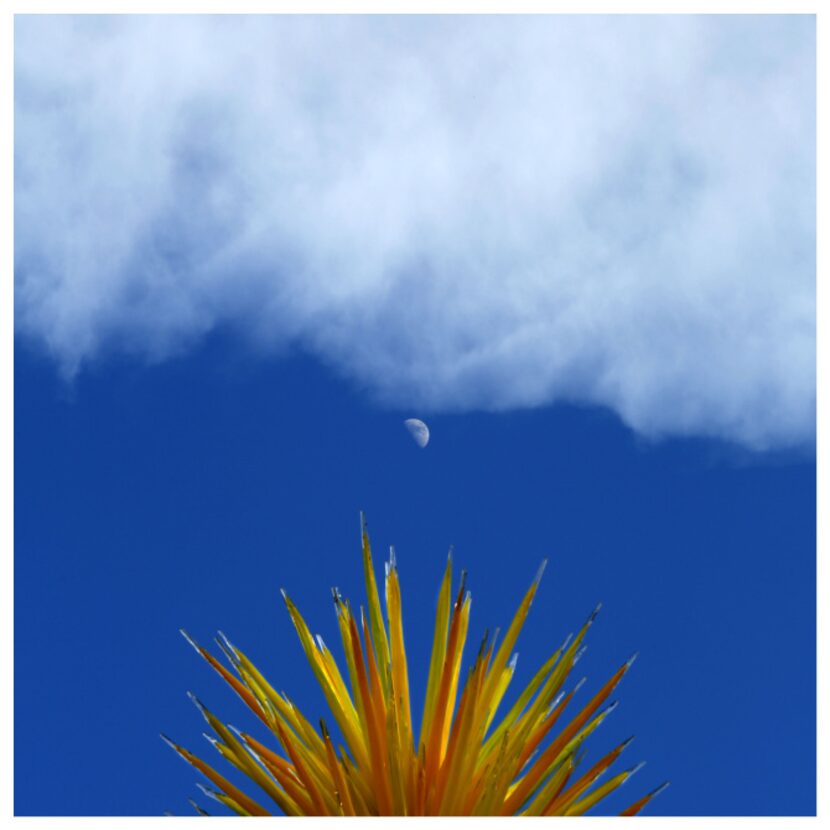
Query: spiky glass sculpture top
x=461, y=764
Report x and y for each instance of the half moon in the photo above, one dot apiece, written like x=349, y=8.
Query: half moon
x=418, y=430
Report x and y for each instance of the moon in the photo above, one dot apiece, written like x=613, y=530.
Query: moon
x=418, y=430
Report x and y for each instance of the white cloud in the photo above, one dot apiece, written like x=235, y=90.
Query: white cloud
x=459, y=213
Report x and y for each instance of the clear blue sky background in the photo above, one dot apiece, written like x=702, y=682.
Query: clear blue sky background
x=189, y=493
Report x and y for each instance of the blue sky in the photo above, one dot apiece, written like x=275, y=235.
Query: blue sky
x=242, y=258
x=186, y=496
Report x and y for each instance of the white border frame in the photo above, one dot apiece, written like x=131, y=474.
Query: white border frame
x=13, y=7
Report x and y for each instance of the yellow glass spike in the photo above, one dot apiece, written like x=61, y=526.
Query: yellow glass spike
x=595, y=796
x=379, y=643
x=439, y=649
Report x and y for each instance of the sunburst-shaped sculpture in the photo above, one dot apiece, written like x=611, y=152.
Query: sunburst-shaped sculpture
x=464, y=760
